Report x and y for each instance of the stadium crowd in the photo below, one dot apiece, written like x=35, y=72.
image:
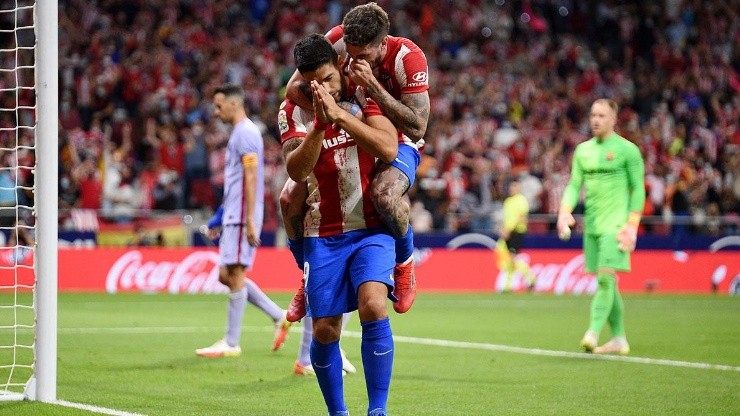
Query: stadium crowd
x=511, y=85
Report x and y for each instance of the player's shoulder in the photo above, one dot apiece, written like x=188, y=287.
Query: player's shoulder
x=288, y=106
x=293, y=110
x=335, y=34
x=405, y=49
x=586, y=145
x=627, y=144
x=246, y=127
x=292, y=119
x=397, y=41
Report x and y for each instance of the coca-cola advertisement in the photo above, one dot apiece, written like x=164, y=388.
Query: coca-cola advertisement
x=188, y=270
x=197, y=272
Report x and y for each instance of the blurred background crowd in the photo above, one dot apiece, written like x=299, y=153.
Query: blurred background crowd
x=511, y=86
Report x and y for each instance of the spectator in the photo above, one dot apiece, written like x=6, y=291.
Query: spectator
x=196, y=158
x=515, y=93
x=166, y=192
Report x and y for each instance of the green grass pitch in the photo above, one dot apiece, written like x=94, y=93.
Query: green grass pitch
x=462, y=354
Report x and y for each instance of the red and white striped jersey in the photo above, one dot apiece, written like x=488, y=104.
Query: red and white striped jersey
x=339, y=198
x=404, y=68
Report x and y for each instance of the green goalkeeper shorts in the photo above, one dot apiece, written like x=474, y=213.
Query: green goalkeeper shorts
x=602, y=251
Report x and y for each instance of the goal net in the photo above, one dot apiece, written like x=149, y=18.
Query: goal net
x=28, y=200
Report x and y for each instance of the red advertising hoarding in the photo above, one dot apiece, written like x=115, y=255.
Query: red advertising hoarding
x=189, y=270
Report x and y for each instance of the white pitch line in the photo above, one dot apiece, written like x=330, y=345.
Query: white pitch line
x=147, y=330
x=551, y=353
x=96, y=409
x=427, y=341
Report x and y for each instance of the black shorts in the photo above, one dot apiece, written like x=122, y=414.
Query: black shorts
x=515, y=242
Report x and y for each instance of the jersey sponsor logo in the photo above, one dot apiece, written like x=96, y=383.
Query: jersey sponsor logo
x=420, y=77
x=598, y=171
x=610, y=156
x=283, y=121
x=336, y=141
x=416, y=84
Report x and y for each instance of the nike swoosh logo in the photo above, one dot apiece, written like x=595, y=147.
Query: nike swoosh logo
x=381, y=353
x=402, y=162
x=321, y=366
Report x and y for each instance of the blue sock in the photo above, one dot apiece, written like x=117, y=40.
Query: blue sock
x=377, y=359
x=404, y=246
x=296, y=247
x=327, y=363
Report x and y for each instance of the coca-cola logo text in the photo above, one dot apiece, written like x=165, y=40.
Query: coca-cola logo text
x=196, y=273
x=557, y=278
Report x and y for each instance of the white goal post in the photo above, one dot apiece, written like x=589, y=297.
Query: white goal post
x=46, y=22
x=28, y=344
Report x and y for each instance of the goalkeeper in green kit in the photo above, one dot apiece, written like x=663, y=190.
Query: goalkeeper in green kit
x=612, y=171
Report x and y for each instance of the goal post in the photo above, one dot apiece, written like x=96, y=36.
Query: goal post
x=29, y=159
x=45, y=200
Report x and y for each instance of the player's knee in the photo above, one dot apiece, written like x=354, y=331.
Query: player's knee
x=232, y=277
x=326, y=331
x=372, y=308
x=223, y=276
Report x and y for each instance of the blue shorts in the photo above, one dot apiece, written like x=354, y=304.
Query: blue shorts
x=336, y=266
x=407, y=160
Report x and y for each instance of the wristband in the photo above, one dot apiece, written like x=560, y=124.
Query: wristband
x=217, y=218
x=633, y=219
x=319, y=125
x=355, y=109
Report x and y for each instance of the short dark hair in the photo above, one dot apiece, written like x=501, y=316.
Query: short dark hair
x=366, y=24
x=312, y=52
x=231, y=91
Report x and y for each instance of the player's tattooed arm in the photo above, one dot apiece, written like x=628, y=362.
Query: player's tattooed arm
x=410, y=115
x=388, y=188
x=301, y=155
x=290, y=145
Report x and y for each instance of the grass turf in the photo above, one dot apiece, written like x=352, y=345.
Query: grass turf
x=135, y=353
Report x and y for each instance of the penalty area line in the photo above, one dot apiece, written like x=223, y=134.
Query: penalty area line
x=552, y=353
x=96, y=409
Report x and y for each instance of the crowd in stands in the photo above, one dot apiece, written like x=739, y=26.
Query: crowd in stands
x=511, y=86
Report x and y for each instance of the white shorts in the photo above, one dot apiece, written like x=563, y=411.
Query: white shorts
x=234, y=247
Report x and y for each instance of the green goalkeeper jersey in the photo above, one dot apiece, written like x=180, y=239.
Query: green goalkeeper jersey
x=613, y=174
